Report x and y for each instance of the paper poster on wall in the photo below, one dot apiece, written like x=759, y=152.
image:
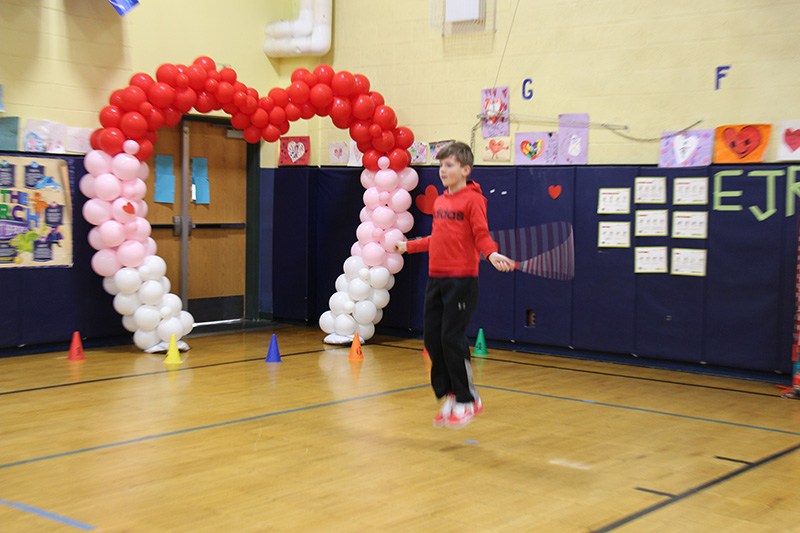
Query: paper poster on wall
x=354, y=159
x=43, y=136
x=573, y=138
x=9, y=131
x=201, y=193
x=650, y=260
x=686, y=149
x=614, y=234
x=498, y=149
x=652, y=223
x=613, y=201
x=690, y=191
x=688, y=262
x=650, y=190
x=536, y=148
x=744, y=143
x=494, y=108
x=419, y=153
x=338, y=153
x=295, y=151
x=35, y=213
x=789, y=141
x=164, y=187
x=689, y=224
x=435, y=146
x=78, y=140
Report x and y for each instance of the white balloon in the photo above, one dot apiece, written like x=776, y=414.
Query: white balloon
x=365, y=312
x=326, y=322
x=344, y=325
x=349, y=307
x=126, y=304
x=359, y=289
x=380, y=297
x=144, y=339
x=128, y=280
x=379, y=277
x=166, y=284
x=153, y=267
x=352, y=265
x=169, y=327
x=147, y=317
x=342, y=283
x=187, y=320
x=110, y=286
x=364, y=274
x=365, y=331
x=337, y=301
x=390, y=283
x=378, y=316
x=151, y=292
x=173, y=303
x=129, y=323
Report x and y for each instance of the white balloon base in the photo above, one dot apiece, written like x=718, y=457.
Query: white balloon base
x=340, y=340
x=163, y=346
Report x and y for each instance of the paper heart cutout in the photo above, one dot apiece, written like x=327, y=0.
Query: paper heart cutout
x=425, y=201
x=684, y=146
x=792, y=139
x=337, y=152
x=743, y=142
x=129, y=208
x=296, y=150
x=554, y=191
x=492, y=107
x=496, y=146
x=532, y=149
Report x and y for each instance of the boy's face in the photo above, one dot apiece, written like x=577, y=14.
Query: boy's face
x=452, y=173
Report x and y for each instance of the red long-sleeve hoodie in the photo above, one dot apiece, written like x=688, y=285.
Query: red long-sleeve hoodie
x=460, y=234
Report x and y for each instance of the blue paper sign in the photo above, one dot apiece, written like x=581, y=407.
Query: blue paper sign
x=123, y=6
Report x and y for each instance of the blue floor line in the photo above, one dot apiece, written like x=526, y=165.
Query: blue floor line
x=650, y=411
x=46, y=514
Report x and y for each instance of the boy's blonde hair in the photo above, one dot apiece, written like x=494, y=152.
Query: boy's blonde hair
x=461, y=151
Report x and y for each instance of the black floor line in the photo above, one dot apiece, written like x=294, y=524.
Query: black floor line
x=691, y=492
x=732, y=460
x=656, y=492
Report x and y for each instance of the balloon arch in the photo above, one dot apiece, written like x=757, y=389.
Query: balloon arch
x=116, y=172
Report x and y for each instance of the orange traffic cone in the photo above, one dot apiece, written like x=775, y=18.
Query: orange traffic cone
x=76, y=348
x=355, y=348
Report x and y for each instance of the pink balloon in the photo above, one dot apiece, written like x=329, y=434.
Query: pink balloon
x=393, y=262
x=364, y=232
x=96, y=211
x=386, y=180
x=133, y=190
x=144, y=171
x=111, y=233
x=138, y=230
x=356, y=250
x=123, y=210
x=384, y=197
x=377, y=234
x=97, y=162
x=107, y=187
x=408, y=178
x=131, y=253
x=365, y=215
x=105, y=262
x=404, y=221
x=125, y=166
x=86, y=186
x=372, y=198
x=400, y=200
x=383, y=217
x=95, y=241
x=141, y=208
x=373, y=254
x=150, y=246
x=368, y=178
x=390, y=238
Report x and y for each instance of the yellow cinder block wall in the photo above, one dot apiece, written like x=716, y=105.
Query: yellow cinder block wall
x=645, y=64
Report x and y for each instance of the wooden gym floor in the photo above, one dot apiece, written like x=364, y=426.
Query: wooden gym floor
x=317, y=442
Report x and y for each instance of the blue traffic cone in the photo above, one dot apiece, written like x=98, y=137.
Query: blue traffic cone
x=273, y=355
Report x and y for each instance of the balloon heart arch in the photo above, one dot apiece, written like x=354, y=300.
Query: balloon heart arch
x=116, y=172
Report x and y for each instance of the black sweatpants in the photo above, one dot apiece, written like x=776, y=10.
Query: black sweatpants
x=449, y=304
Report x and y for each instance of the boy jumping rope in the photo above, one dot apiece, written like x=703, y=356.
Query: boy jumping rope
x=459, y=235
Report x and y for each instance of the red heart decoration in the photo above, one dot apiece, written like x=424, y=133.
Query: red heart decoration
x=554, y=191
x=425, y=201
x=792, y=139
x=744, y=142
x=129, y=208
x=495, y=146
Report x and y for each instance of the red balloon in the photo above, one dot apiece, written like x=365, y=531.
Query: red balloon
x=279, y=96
x=375, y=130
x=292, y=112
x=259, y=118
x=181, y=81
x=161, y=95
x=252, y=92
x=240, y=99
x=224, y=92
x=185, y=99
x=205, y=62
x=133, y=124
x=362, y=84
x=240, y=121
x=359, y=131
x=266, y=103
x=384, y=117
x=363, y=107
x=324, y=74
x=151, y=136
x=205, y=102
x=111, y=140
x=143, y=81
x=230, y=108
x=343, y=83
x=299, y=92
x=145, y=149
x=403, y=138
x=252, y=134
x=250, y=105
x=197, y=77
x=116, y=98
x=239, y=87
x=370, y=159
x=364, y=147
x=271, y=133
x=171, y=116
x=167, y=73
x=340, y=109
x=153, y=116
x=377, y=98
x=132, y=97
x=228, y=74
x=323, y=111
x=214, y=75
x=399, y=159
x=283, y=128
x=320, y=96
x=385, y=142
x=307, y=111
x=94, y=139
x=342, y=123
x=300, y=74
x=277, y=115
x=211, y=85
x=110, y=116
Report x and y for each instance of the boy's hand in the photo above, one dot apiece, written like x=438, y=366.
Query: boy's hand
x=501, y=262
x=400, y=247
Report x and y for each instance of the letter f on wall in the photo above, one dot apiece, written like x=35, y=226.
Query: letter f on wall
x=721, y=73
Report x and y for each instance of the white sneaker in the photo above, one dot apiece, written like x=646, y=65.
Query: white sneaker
x=463, y=413
x=444, y=412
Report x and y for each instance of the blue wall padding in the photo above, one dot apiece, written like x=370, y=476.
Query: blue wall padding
x=550, y=301
x=604, y=296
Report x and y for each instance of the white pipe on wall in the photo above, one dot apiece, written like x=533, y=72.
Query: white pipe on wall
x=308, y=35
